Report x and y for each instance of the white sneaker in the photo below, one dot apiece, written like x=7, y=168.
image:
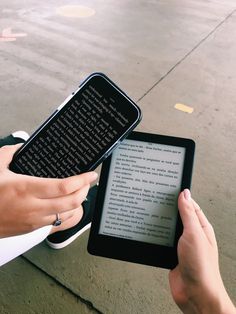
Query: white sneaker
x=14, y=138
x=21, y=134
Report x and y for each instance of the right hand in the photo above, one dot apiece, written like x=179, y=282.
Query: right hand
x=28, y=203
x=196, y=283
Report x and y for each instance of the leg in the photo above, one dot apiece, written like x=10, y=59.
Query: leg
x=12, y=247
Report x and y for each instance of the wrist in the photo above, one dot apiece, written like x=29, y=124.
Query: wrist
x=224, y=305
x=220, y=303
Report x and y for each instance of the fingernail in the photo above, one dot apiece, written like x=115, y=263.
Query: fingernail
x=187, y=194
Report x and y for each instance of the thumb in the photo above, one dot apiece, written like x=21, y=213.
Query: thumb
x=6, y=154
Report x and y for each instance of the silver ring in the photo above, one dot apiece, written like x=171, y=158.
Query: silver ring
x=58, y=221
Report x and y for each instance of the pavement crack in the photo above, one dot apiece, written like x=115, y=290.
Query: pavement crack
x=186, y=55
x=88, y=303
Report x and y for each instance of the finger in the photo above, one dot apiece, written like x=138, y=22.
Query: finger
x=6, y=154
x=201, y=216
x=187, y=211
x=64, y=203
x=195, y=204
x=50, y=220
x=205, y=224
x=46, y=188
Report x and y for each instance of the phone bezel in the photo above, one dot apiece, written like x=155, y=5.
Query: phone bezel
x=135, y=251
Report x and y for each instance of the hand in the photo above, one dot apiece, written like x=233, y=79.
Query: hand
x=28, y=203
x=196, y=283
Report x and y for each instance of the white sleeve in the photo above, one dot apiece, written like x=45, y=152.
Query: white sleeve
x=12, y=247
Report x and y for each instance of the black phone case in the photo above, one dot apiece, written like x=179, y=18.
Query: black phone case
x=81, y=133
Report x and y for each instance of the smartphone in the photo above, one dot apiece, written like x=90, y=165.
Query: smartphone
x=81, y=133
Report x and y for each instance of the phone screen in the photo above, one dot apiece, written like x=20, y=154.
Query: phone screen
x=142, y=190
x=76, y=139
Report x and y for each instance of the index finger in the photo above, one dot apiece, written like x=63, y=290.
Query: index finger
x=6, y=154
x=45, y=188
x=205, y=224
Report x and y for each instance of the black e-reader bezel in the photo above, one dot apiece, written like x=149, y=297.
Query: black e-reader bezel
x=132, y=250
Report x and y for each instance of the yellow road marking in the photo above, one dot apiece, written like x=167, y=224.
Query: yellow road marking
x=75, y=11
x=184, y=108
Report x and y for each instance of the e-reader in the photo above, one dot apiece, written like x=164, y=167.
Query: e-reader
x=136, y=215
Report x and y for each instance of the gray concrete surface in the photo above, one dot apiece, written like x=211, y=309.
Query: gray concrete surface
x=26, y=289
x=161, y=53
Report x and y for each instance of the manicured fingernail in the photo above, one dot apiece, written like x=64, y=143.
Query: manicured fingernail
x=187, y=194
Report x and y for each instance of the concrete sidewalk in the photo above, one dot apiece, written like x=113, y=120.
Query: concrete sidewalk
x=161, y=53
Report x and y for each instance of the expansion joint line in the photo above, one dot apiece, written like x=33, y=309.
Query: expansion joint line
x=88, y=303
x=186, y=56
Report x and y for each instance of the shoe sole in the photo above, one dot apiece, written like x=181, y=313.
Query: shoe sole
x=61, y=245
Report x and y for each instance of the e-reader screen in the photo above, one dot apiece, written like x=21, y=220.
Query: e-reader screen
x=142, y=190
x=136, y=217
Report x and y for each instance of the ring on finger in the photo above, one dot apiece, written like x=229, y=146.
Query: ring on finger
x=58, y=221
